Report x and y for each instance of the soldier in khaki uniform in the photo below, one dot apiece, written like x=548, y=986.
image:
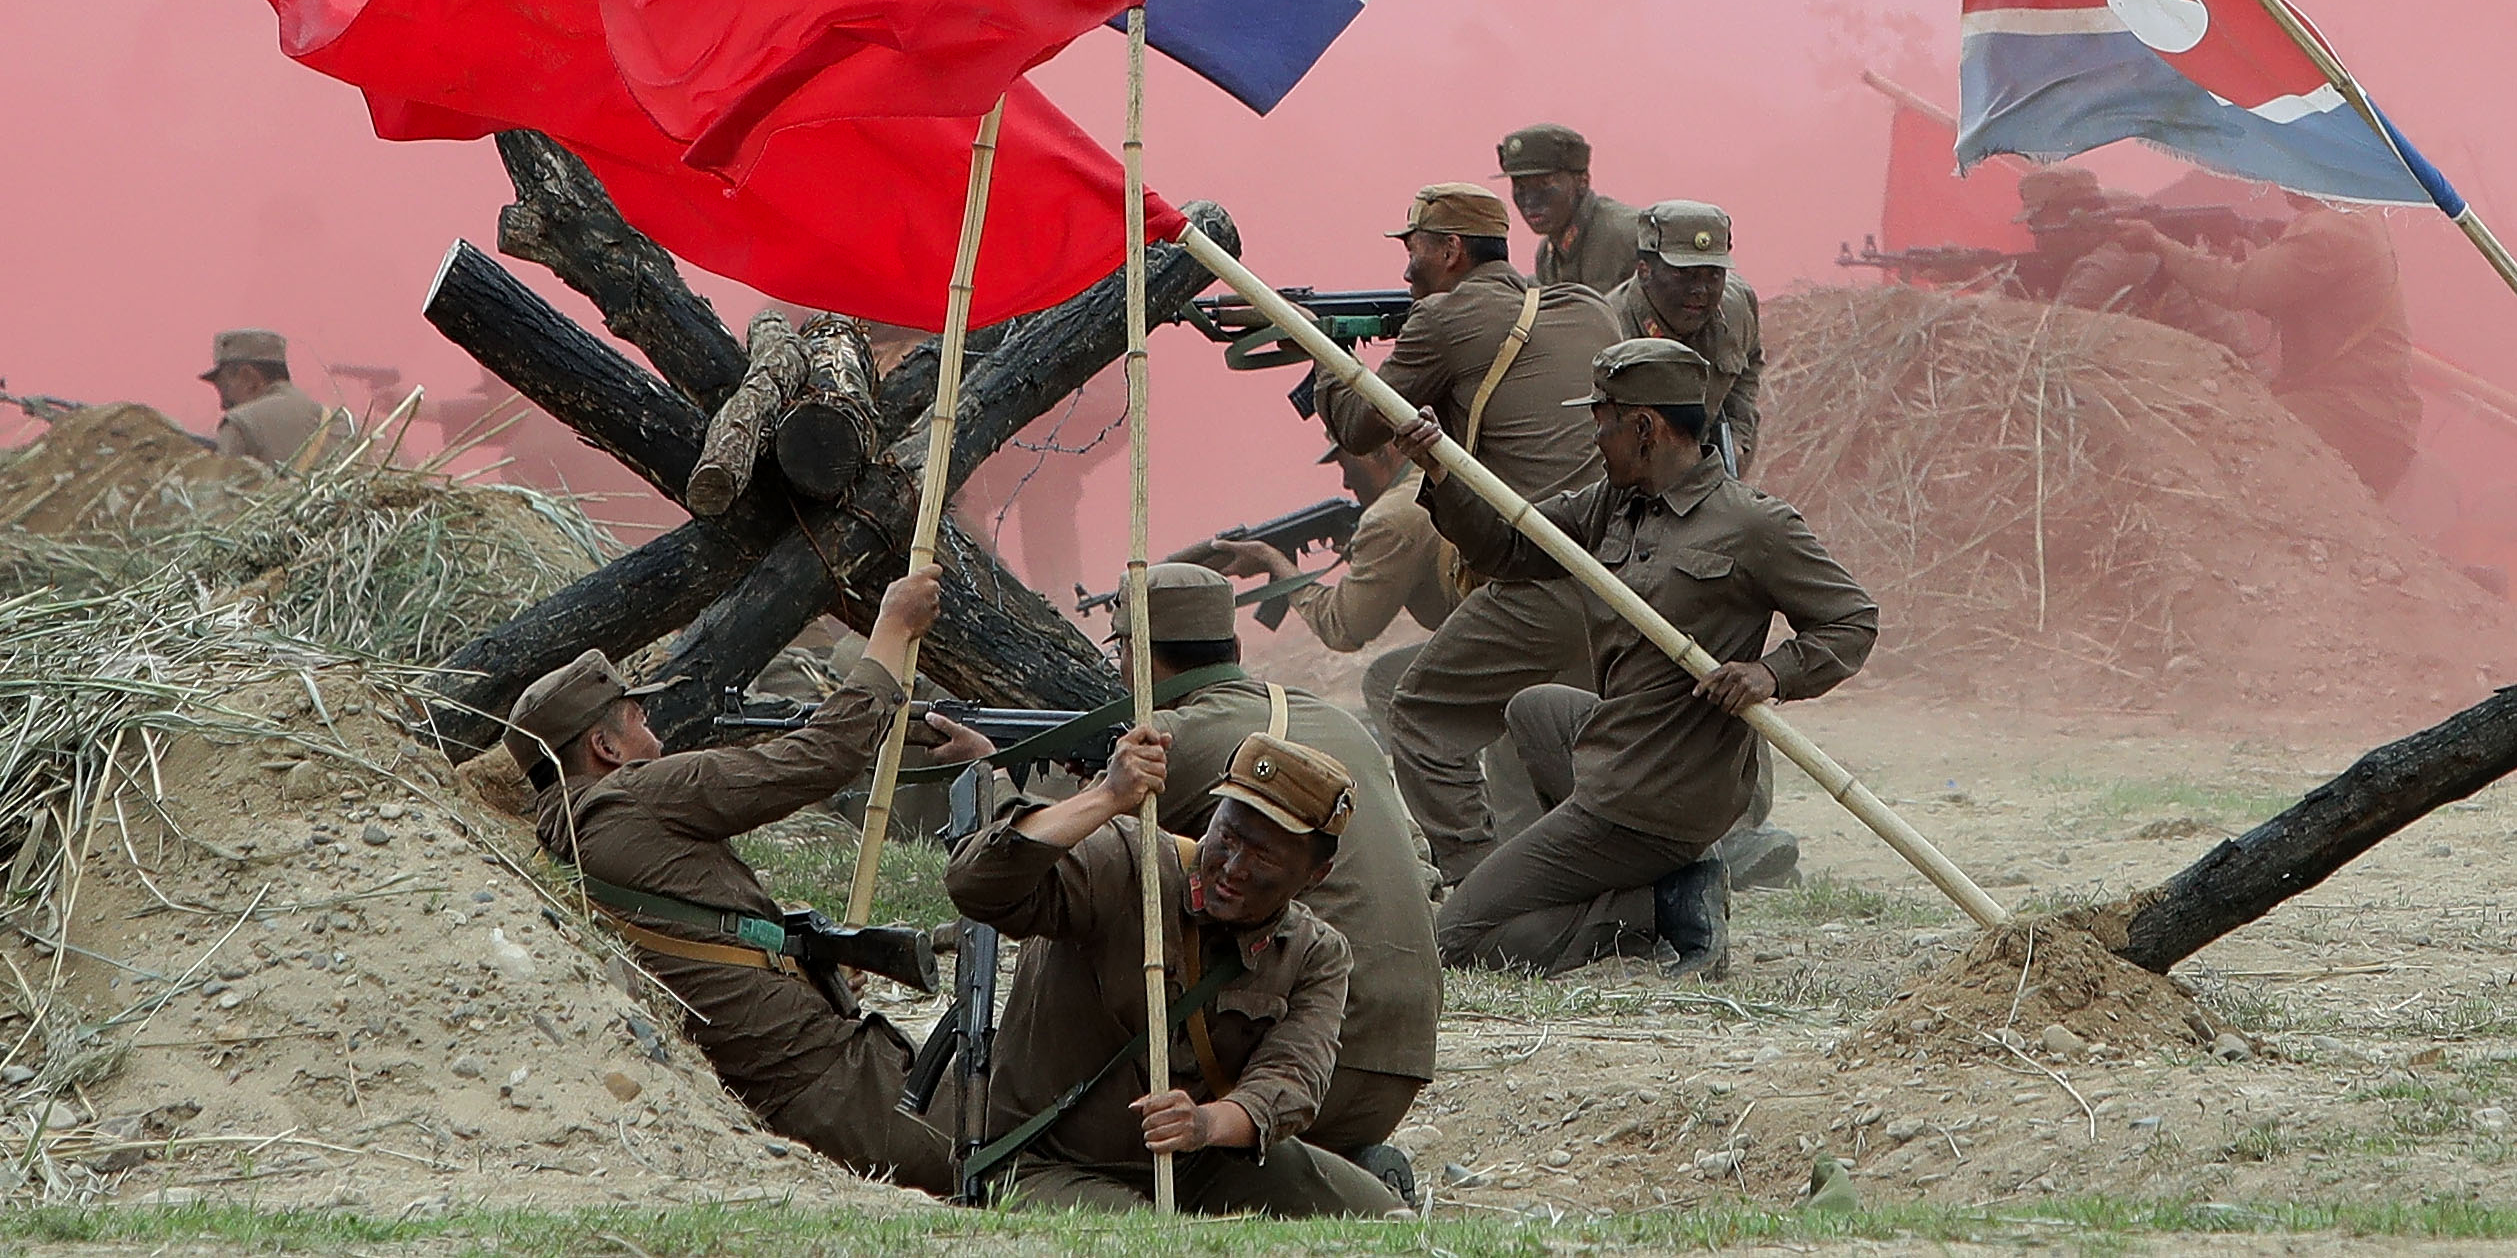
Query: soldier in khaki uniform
x=1687, y=288
x=1663, y=766
x=264, y=415
x=1378, y=895
x=1248, y=1067
x=2068, y=210
x=1395, y=563
x=2332, y=288
x=1583, y=235
x=1492, y=355
x=799, y=1053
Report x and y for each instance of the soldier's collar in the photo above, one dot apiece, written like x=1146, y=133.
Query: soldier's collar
x=1693, y=486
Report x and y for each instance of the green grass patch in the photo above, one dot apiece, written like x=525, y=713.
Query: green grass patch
x=1825, y=899
x=811, y=857
x=2133, y=799
x=2079, y=1225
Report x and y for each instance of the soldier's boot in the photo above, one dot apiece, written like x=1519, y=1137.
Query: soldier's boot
x=1691, y=913
x=1389, y=1165
x=1760, y=856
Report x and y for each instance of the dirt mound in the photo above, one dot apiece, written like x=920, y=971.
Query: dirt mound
x=2055, y=505
x=284, y=955
x=115, y=467
x=2015, y=982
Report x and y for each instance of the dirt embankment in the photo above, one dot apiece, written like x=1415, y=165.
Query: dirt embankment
x=2089, y=510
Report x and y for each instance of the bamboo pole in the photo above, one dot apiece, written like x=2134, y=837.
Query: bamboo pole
x=939, y=460
x=2330, y=66
x=1140, y=647
x=1515, y=510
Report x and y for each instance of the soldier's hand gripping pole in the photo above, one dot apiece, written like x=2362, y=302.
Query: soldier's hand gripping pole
x=939, y=459
x=1838, y=782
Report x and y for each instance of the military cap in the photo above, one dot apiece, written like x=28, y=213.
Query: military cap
x=1184, y=603
x=1544, y=149
x=246, y=345
x=1685, y=234
x=1646, y=372
x=1460, y=209
x=2053, y=190
x=1299, y=788
x=565, y=703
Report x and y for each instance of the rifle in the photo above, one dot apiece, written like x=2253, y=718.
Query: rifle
x=2214, y=227
x=1252, y=342
x=1004, y=727
x=41, y=406
x=1949, y=264
x=967, y=1033
x=1330, y=522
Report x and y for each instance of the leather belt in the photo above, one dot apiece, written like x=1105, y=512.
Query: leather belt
x=693, y=950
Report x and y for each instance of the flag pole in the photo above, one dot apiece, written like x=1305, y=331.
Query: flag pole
x=1150, y=848
x=1837, y=781
x=931, y=493
x=2449, y=201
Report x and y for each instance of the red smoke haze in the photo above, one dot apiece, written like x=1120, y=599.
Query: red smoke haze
x=170, y=174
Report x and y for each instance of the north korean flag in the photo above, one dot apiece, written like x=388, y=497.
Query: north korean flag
x=2216, y=81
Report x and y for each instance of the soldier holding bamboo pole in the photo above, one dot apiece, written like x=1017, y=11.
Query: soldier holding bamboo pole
x=1661, y=766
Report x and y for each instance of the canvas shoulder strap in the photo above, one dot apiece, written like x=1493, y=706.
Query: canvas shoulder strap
x=1511, y=349
x=984, y=1161
x=1279, y=713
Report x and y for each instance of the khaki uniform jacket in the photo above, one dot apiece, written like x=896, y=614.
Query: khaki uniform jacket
x=1603, y=249
x=1393, y=564
x=1731, y=341
x=1537, y=446
x=1719, y=560
x=1376, y=895
x=661, y=826
x=2115, y=277
x=2331, y=287
x=1079, y=992
x=273, y=427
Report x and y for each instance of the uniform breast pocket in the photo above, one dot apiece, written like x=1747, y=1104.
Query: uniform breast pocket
x=1258, y=1007
x=1701, y=565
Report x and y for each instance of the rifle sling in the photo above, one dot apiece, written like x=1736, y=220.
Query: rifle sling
x=761, y=933
x=987, y=1158
x=1193, y=961
x=1047, y=744
x=1284, y=586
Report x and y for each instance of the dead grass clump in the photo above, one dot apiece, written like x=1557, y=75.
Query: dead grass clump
x=1987, y=466
x=402, y=564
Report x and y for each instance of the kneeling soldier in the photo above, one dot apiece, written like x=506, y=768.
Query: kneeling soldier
x=1662, y=766
x=649, y=832
x=1257, y=982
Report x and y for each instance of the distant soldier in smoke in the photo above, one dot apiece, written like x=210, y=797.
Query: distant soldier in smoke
x=2330, y=284
x=2085, y=266
x=264, y=415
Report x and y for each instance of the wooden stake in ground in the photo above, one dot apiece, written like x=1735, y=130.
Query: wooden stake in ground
x=1835, y=779
x=1150, y=845
x=939, y=459
x=770, y=385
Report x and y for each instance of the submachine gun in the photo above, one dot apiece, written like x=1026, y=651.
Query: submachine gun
x=1253, y=343
x=1328, y=523
x=964, y=1040
x=1088, y=752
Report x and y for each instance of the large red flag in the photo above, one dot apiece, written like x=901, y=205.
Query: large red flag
x=712, y=74
x=859, y=215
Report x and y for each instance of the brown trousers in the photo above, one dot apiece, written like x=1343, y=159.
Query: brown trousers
x=1505, y=637
x=851, y=1114
x=1295, y=1180
x=1362, y=1108
x=1572, y=888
